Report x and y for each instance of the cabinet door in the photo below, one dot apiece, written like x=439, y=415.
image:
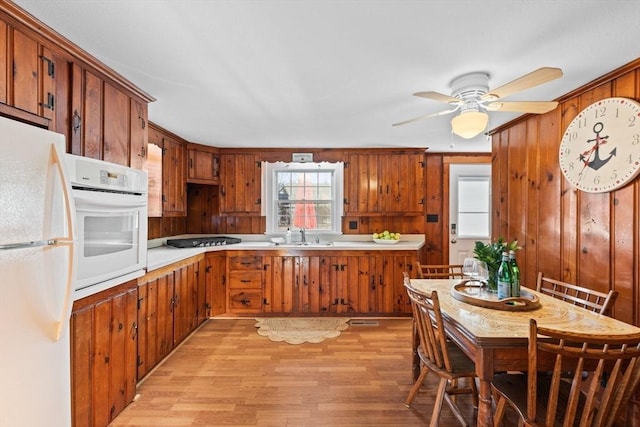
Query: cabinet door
x=139, y=134
x=174, y=178
x=279, y=278
x=81, y=364
x=25, y=72
x=185, y=296
x=363, y=186
x=403, y=263
x=164, y=340
x=103, y=355
x=204, y=165
x=240, y=190
x=216, y=293
x=123, y=351
x=116, y=126
x=403, y=183
x=48, y=100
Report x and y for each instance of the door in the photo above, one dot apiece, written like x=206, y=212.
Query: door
x=469, y=208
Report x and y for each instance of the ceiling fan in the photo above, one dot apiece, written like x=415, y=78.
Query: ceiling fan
x=472, y=98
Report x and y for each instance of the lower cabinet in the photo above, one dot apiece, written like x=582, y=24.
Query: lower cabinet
x=216, y=283
x=103, y=354
x=171, y=304
x=244, y=273
x=357, y=284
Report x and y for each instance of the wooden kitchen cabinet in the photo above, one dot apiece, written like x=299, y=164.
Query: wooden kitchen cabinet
x=170, y=307
x=344, y=283
x=204, y=164
x=174, y=171
x=245, y=289
x=216, y=283
x=30, y=79
x=139, y=134
x=104, y=330
x=377, y=184
x=106, y=122
x=240, y=184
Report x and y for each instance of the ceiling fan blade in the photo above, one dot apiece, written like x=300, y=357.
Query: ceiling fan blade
x=534, y=78
x=437, y=96
x=441, y=113
x=534, y=107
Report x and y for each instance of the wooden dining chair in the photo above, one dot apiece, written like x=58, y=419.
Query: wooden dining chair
x=542, y=399
x=439, y=271
x=440, y=356
x=590, y=299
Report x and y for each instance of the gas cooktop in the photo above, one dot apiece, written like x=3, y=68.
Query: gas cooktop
x=196, y=242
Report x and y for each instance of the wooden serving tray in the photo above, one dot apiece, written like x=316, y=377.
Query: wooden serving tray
x=476, y=295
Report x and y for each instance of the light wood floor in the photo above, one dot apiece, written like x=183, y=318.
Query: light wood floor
x=227, y=375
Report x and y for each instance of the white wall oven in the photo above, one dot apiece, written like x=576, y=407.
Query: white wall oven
x=111, y=216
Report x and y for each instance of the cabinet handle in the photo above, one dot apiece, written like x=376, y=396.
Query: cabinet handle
x=304, y=280
x=245, y=281
x=134, y=330
x=222, y=191
x=51, y=67
x=50, y=101
x=76, y=121
x=190, y=163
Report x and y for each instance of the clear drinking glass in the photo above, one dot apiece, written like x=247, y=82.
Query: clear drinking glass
x=481, y=272
x=467, y=267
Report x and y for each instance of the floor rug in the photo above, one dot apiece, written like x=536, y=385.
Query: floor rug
x=298, y=330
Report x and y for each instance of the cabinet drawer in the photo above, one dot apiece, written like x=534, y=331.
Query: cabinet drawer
x=246, y=262
x=245, y=279
x=245, y=300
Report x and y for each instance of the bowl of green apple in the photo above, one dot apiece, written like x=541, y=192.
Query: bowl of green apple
x=386, y=238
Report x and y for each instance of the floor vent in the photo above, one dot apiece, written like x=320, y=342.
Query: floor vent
x=359, y=322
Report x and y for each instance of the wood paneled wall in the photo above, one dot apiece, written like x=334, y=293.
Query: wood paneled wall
x=591, y=239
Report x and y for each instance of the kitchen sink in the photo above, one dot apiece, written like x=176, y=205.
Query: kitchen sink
x=303, y=245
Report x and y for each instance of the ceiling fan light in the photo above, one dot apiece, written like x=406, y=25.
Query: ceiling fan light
x=469, y=124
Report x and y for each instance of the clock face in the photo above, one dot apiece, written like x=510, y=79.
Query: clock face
x=600, y=150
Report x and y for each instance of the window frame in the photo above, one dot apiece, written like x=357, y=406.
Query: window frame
x=270, y=193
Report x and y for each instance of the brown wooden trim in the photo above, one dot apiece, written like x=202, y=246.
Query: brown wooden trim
x=24, y=116
x=106, y=294
x=17, y=16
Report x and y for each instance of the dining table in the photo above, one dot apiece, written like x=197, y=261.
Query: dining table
x=496, y=339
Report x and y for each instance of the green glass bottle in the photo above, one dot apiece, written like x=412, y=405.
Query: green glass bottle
x=504, y=277
x=515, y=274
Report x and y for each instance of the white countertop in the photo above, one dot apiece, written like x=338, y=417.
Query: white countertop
x=163, y=255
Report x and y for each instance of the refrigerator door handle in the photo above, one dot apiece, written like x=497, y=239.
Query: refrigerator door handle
x=68, y=240
x=23, y=245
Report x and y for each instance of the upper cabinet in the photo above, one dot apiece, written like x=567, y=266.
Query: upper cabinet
x=204, y=164
x=240, y=189
x=31, y=76
x=383, y=183
x=48, y=81
x=173, y=172
x=106, y=123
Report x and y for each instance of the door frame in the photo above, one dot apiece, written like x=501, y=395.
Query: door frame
x=447, y=162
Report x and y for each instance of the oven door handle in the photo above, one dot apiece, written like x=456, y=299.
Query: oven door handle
x=82, y=203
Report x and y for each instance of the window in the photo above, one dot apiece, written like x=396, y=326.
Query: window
x=303, y=195
x=473, y=206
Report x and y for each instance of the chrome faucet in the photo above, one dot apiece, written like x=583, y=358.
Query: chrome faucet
x=303, y=232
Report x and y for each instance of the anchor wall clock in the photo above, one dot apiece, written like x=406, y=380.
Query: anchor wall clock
x=600, y=150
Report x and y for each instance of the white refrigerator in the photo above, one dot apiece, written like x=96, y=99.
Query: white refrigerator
x=37, y=270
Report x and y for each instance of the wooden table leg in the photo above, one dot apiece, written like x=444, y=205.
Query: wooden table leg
x=484, y=369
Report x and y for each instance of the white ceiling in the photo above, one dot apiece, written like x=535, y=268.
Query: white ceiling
x=338, y=73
